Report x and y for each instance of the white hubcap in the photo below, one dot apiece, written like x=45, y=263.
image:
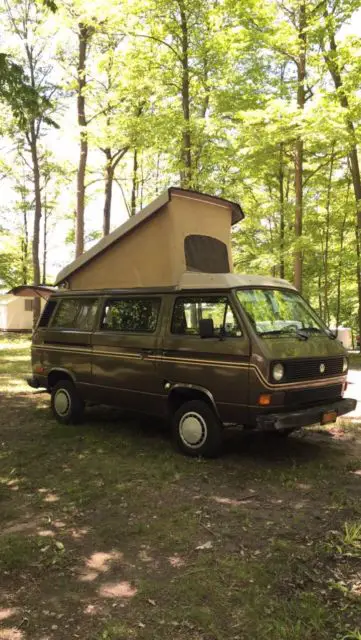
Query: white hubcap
x=193, y=430
x=62, y=402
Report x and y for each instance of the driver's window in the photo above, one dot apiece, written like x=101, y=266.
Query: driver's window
x=189, y=311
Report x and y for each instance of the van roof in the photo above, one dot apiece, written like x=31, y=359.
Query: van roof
x=192, y=281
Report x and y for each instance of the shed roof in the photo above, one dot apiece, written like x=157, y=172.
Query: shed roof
x=139, y=218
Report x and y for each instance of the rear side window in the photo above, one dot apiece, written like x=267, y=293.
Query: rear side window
x=47, y=313
x=75, y=314
x=131, y=315
x=189, y=311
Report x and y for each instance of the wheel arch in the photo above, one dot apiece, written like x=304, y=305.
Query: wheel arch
x=57, y=374
x=181, y=393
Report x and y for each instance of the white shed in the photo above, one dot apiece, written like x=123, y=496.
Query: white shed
x=16, y=314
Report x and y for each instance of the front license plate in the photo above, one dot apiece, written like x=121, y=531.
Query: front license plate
x=329, y=416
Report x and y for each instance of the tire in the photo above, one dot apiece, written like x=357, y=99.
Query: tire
x=196, y=430
x=279, y=435
x=66, y=404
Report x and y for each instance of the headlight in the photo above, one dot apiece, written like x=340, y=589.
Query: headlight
x=344, y=365
x=278, y=371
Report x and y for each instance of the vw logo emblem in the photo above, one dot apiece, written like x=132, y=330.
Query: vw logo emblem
x=322, y=367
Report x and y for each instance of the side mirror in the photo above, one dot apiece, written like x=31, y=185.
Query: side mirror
x=332, y=333
x=206, y=328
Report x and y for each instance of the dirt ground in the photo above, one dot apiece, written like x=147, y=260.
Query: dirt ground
x=108, y=534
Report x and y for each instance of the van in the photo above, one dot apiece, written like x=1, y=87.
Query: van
x=212, y=351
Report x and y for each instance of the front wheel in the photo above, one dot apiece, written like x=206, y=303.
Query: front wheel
x=66, y=404
x=280, y=435
x=196, y=429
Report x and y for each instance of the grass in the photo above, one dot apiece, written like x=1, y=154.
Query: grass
x=355, y=361
x=108, y=534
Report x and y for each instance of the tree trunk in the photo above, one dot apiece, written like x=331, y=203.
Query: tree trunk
x=157, y=173
x=37, y=215
x=25, y=246
x=281, y=177
x=32, y=138
x=109, y=175
x=340, y=261
x=327, y=238
x=358, y=269
x=84, y=34
x=301, y=98
x=186, y=156
x=320, y=312
x=45, y=233
x=133, y=202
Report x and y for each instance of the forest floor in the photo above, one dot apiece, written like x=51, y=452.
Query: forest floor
x=108, y=534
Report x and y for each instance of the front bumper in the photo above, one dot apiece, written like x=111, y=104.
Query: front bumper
x=303, y=417
x=37, y=382
x=33, y=382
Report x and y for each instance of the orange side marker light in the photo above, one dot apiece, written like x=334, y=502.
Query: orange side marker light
x=39, y=369
x=265, y=399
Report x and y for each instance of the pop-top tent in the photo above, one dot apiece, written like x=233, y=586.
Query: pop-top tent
x=180, y=231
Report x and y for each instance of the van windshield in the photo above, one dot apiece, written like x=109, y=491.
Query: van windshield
x=280, y=312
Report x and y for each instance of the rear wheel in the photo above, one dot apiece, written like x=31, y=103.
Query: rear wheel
x=66, y=404
x=197, y=431
x=281, y=435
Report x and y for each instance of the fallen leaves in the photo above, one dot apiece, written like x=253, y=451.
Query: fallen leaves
x=206, y=545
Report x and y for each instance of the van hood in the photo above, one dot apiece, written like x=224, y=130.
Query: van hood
x=279, y=348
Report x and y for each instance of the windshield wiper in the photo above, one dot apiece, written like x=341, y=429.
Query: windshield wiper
x=277, y=332
x=328, y=332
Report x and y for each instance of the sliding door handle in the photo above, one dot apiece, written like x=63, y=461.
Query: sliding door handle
x=146, y=352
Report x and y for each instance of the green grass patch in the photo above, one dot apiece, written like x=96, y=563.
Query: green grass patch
x=348, y=541
x=252, y=545
x=355, y=361
x=22, y=552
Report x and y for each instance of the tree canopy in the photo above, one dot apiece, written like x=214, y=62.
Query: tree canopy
x=256, y=102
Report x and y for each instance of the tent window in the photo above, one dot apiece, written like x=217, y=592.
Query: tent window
x=29, y=304
x=75, y=314
x=206, y=254
x=131, y=315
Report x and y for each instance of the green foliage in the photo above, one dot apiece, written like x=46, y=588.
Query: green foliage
x=12, y=263
x=16, y=91
x=239, y=61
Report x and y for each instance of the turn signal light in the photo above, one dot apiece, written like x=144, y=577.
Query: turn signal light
x=264, y=399
x=39, y=369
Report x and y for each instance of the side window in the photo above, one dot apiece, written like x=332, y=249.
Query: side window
x=75, y=314
x=131, y=315
x=86, y=315
x=47, y=313
x=189, y=311
x=65, y=314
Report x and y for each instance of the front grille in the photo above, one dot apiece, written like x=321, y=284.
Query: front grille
x=309, y=369
x=313, y=396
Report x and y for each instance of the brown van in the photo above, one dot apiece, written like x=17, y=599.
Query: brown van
x=214, y=350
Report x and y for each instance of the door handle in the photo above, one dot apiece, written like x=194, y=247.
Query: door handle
x=146, y=352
